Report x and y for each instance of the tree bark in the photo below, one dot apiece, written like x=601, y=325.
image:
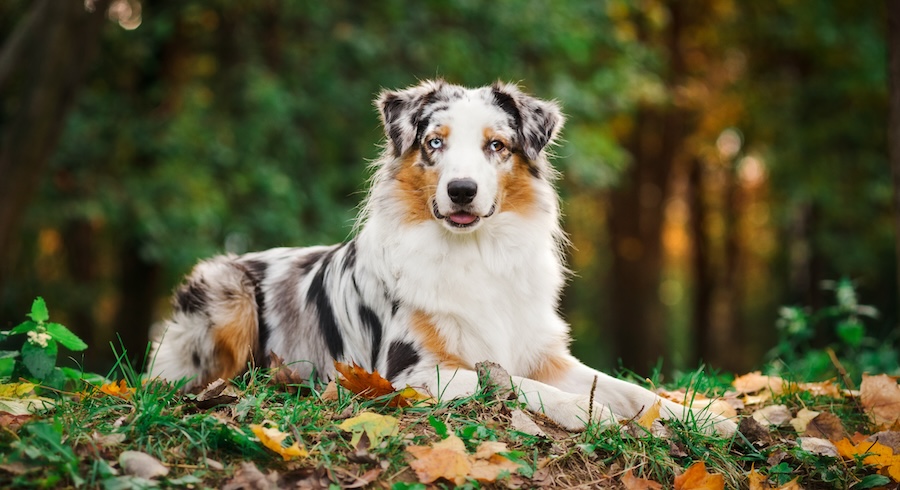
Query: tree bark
x=893, y=137
x=42, y=66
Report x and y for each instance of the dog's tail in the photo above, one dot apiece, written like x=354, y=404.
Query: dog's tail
x=214, y=330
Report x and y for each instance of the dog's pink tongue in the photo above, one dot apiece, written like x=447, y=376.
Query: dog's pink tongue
x=462, y=218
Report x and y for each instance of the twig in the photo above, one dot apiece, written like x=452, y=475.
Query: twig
x=840, y=367
x=591, y=405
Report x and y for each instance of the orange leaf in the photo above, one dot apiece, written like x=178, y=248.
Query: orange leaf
x=120, y=390
x=877, y=454
x=631, y=482
x=373, y=385
x=696, y=478
x=446, y=459
x=880, y=397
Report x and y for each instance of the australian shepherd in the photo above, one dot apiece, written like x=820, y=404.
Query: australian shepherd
x=457, y=259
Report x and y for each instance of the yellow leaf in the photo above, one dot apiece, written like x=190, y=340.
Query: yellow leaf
x=16, y=390
x=760, y=482
x=374, y=425
x=877, y=454
x=803, y=418
x=646, y=419
x=273, y=439
x=696, y=478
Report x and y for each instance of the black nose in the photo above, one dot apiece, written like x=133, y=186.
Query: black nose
x=462, y=191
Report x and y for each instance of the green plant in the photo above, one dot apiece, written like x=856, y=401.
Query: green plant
x=808, y=338
x=36, y=360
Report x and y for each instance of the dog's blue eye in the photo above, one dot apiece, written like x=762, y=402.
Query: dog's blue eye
x=436, y=143
x=496, y=145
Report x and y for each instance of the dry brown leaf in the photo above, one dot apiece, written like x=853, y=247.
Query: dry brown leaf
x=631, y=482
x=889, y=438
x=826, y=425
x=725, y=407
x=880, y=397
x=283, y=375
x=219, y=392
x=248, y=477
x=445, y=459
x=815, y=445
x=696, y=478
x=13, y=422
x=877, y=454
x=521, y=422
x=448, y=459
x=772, y=415
x=142, y=465
x=330, y=394
x=803, y=418
x=755, y=382
x=824, y=388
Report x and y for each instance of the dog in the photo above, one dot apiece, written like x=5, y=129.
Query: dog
x=457, y=258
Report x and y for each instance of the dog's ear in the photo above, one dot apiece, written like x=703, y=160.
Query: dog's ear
x=400, y=112
x=537, y=121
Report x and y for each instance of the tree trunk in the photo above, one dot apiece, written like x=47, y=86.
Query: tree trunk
x=893, y=137
x=42, y=66
x=139, y=282
x=701, y=264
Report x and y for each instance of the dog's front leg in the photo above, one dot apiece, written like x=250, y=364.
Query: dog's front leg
x=629, y=400
x=568, y=409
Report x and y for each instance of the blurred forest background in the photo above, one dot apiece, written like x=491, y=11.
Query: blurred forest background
x=721, y=158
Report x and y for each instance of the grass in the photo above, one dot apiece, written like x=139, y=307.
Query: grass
x=78, y=442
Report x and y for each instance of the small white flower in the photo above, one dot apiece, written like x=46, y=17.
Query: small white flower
x=38, y=339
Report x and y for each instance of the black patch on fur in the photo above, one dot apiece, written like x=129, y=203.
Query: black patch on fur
x=349, y=256
x=306, y=263
x=318, y=296
x=508, y=105
x=256, y=270
x=373, y=324
x=401, y=356
x=195, y=357
x=395, y=306
x=192, y=297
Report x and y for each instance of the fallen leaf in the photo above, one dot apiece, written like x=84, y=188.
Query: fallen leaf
x=889, y=438
x=107, y=440
x=24, y=406
x=726, y=407
x=826, y=425
x=880, y=397
x=448, y=459
x=873, y=453
x=248, y=477
x=755, y=382
x=772, y=415
x=373, y=385
x=16, y=390
x=756, y=433
x=445, y=459
x=824, y=388
x=696, y=478
x=803, y=418
x=631, y=482
x=219, y=392
x=283, y=375
x=815, y=445
x=120, y=389
x=374, y=425
x=649, y=415
x=137, y=463
x=521, y=422
x=13, y=422
x=759, y=482
x=273, y=439
x=330, y=394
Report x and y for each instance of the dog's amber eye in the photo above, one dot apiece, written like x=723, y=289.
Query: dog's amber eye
x=496, y=146
x=436, y=143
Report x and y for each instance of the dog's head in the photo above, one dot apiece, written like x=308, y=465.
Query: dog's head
x=461, y=155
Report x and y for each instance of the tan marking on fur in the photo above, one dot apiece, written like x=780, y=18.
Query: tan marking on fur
x=491, y=135
x=416, y=185
x=551, y=368
x=234, y=342
x=431, y=340
x=517, y=193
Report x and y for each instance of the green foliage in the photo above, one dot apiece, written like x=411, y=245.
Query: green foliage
x=37, y=357
x=805, y=337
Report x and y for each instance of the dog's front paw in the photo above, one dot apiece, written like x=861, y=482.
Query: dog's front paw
x=573, y=413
